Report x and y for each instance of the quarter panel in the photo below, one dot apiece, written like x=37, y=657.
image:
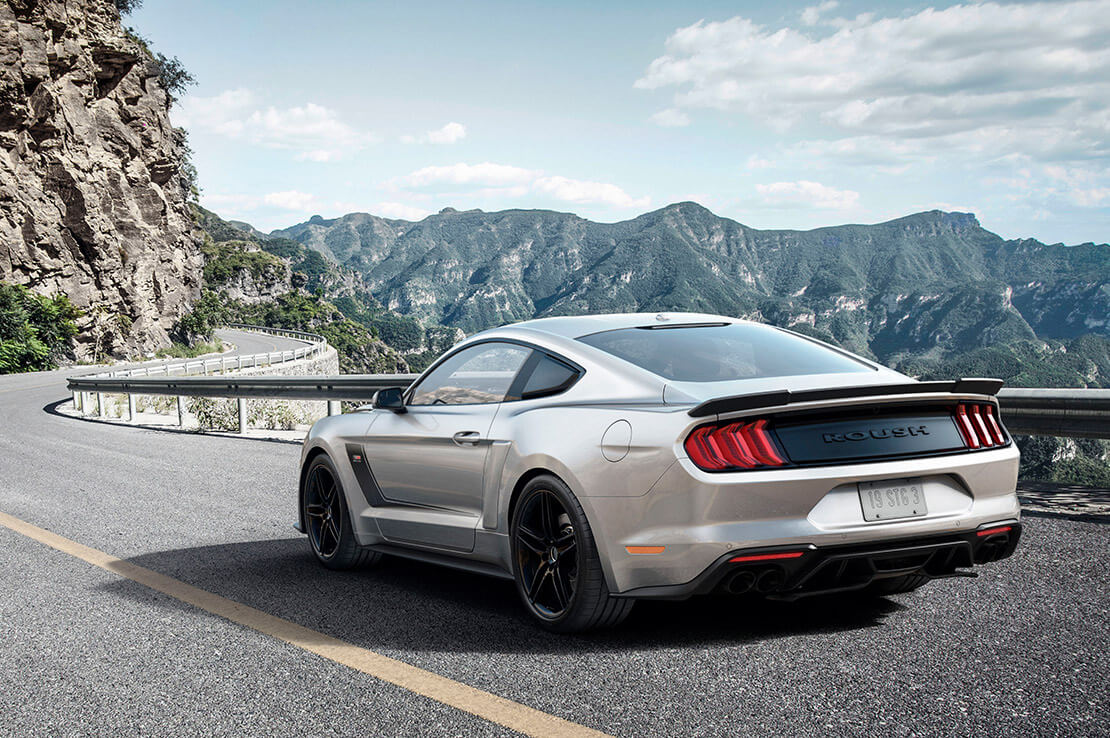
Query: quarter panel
x=567, y=440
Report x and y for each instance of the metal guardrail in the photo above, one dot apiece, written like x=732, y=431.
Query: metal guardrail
x=1081, y=413
x=352, y=387
x=141, y=381
x=1075, y=413
x=317, y=346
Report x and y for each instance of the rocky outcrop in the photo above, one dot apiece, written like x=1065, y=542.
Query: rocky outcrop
x=93, y=196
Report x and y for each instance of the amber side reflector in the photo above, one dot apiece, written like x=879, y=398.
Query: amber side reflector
x=766, y=557
x=992, y=531
x=645, y=549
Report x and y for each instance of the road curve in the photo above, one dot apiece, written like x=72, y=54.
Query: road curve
x=1021, y=650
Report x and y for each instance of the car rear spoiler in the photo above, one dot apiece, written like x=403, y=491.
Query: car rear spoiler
x=721, y=405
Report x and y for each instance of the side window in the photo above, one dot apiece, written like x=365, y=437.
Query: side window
x=550, y=376
x=476, y=375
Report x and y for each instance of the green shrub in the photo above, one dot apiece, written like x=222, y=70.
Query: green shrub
x=209, y=312
x=214, y=414
x=178, y=350
x=274, y=414
x=224, y=261
x=161, y=404
x=34, y=330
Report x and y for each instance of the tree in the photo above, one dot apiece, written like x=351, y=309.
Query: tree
x=126, y=7
x=175, y=78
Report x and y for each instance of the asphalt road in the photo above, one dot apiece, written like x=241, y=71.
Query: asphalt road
x=1022, y=650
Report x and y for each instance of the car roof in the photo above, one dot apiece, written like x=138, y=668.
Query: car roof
x=576, y=326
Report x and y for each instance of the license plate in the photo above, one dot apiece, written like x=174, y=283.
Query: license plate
x=891, y=499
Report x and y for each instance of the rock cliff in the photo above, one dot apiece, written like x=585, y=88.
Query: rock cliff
x=93, y=191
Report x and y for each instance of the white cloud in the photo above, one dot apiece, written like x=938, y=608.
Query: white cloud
x=288, y=200
x=812, y=15
x=487, y=174
x=1084, y=187
x=489, y=180
x=317, y=133
x=983, y=79
x=228, y=202
x=291, y=200
x=758, y=162
x=952, y=207
x=317, y=155
x=670, y=118
x=400, y=210
x=218, y=114
x=579, y=191
x=806, y=194
x=448, y=134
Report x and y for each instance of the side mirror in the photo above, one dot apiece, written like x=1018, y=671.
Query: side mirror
x=390, y=398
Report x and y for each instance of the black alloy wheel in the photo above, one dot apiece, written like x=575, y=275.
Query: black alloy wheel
x=556, y=565
x=547, y=554
x=323, y=511
x=327, y=521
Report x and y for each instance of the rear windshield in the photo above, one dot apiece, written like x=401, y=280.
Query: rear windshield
x=717, y=353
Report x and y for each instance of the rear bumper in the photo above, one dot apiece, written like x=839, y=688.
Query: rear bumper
x=829, y=569
x=697, y=517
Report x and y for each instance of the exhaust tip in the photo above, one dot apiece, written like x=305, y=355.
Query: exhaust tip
x=770, y=580
x=741, y=582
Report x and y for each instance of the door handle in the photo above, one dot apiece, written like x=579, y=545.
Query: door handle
x=467, y=438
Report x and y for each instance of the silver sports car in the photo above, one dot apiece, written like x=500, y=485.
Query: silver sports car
x=597, y=460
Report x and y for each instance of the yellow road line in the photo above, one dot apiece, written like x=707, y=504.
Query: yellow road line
x=485, y=705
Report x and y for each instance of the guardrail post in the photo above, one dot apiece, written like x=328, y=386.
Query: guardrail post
x=77, y=401
x=242, y=415
x=180, y=411
x=131, y=407
x=240, y=363
x=99, y=405
x=334, y=407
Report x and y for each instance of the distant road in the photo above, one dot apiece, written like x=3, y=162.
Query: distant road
x=1021, y=650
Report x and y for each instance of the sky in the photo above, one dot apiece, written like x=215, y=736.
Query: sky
x=778, y=115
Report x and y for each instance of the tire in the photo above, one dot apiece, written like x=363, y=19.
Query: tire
x=327, y=520
x=556, y=566
x=897, y=585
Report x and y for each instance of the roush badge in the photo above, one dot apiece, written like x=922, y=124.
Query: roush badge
x=904, y=431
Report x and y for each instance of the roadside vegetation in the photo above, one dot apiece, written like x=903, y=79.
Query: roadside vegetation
x=178, y=350
x=281, y=283
x=1083, y=461
x=1079, y=362
x=34, y=330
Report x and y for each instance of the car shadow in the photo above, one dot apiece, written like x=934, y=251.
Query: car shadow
x=405, y=605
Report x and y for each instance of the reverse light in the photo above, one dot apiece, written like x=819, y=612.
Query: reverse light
x=738, y=445
x=766, y=557
x=979, y=425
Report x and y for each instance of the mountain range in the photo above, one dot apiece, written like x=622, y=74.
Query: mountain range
x=928, y=286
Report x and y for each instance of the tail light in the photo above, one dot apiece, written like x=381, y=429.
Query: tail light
x=740, y=445
x=979, y=425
